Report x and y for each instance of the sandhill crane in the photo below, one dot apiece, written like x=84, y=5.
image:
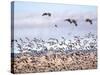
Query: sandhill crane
x=54, y=39
x=74, y=21
x=56, y=25
x=46, y=14
x=27, y=38
x=69, y=20
x=89, y=20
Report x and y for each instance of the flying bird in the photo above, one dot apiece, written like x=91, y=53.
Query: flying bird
x=69, y=20
x=89, y=20
x=56, y=25
x=27, y=38
x=46, y=14
x=74, y=21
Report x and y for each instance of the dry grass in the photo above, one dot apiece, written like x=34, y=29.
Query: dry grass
x=59, y=61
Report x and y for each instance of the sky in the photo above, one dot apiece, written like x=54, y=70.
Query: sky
x=29, y=13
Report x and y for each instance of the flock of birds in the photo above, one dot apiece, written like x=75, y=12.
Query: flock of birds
x=43, y=43
x=88, y=42
x=71, y=21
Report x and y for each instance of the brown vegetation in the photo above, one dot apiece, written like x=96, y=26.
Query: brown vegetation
x=55, y=61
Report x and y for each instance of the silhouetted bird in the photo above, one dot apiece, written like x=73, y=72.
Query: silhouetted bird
x=46, y=14
x=56, y=25
x=19, y=46
x=89, y=20
x=74, y=21
x=69, y=20
x=27, y=38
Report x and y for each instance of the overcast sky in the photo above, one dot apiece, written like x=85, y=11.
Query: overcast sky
x=28, y=19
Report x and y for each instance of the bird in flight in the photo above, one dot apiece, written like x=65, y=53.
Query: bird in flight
x=56, y=25
x=89, y=20
x=46, y=14
x=69, y=20
x=74, y=21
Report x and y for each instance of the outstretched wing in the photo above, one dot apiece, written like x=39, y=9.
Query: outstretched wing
x=74, y=21
x=44, y=14
x=89, y=20
x=69, y=20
